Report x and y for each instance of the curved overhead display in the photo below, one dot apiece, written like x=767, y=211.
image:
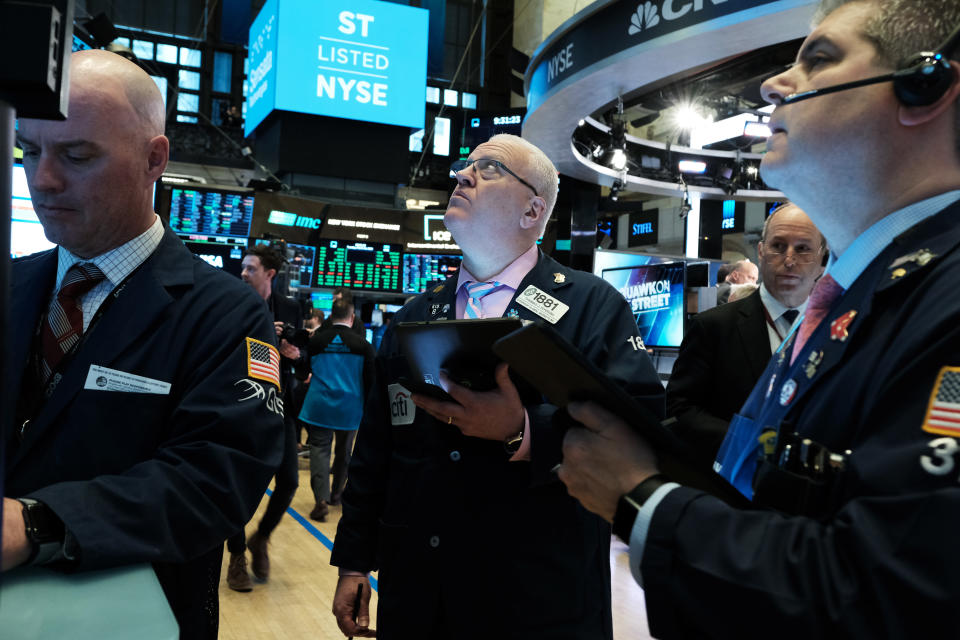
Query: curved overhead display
x=619, y=47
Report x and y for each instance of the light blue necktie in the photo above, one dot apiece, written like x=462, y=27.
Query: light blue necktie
x=475, y=291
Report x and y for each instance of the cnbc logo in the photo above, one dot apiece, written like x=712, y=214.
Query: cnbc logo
x=649, y=14
x=287, y=219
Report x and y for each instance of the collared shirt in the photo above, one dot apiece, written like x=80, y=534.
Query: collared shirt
x=869, y=244
x=775, y=310
x=494, y=304
x=115, y=264
x=845, y=270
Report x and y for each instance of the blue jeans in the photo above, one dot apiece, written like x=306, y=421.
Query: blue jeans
x=319, y=439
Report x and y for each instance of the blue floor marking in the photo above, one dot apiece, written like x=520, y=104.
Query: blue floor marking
x=316, y=533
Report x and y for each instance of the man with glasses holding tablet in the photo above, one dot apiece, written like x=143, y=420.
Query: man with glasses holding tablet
x=463, y=491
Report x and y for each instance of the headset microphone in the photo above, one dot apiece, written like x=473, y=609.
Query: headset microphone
x=923, y=81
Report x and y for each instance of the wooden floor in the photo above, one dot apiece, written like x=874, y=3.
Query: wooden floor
x=296, y=602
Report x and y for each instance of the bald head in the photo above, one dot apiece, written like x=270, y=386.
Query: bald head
x=92, y=176
x=100, y=71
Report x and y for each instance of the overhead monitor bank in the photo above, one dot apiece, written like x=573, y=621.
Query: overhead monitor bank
x=357, y=59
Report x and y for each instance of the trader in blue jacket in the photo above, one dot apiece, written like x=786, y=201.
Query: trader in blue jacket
x=848, y=445
x=438, y=486
x=146, y=429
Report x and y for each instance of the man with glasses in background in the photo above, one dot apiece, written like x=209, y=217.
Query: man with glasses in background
x=439, y=491
x=726, y=349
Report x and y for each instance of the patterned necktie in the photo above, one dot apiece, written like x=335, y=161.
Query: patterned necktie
x=824, y=294
x=475, y=291
x=64, y=324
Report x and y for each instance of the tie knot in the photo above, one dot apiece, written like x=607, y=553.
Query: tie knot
x=790, y=315
x=826, y=291
x=80, y=278
x=477, y=290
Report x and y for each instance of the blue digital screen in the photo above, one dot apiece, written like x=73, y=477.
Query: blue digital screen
x=357, y=59
x=424, y=270
x=655, y=295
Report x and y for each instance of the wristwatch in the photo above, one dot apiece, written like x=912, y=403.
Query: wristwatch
x=629, y=505
x=44, y=530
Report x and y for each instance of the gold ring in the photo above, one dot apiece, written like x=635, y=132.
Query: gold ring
x=449, y=419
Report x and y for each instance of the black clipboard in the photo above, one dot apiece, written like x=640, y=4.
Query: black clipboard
x=559, y=371
x=460, y=348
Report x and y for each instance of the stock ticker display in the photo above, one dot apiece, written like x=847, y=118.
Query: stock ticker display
x=359, y=265
x=210, y=212
x=423, y=270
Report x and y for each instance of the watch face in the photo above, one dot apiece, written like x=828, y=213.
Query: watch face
x=42, y=524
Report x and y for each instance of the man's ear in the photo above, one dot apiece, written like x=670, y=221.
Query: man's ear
x=158, y=152
x=534, y=214
x=913, y=116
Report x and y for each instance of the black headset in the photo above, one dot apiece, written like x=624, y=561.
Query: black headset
x=925, y=78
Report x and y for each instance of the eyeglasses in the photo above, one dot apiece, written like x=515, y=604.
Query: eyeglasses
x=488, y=168
x=777, y=252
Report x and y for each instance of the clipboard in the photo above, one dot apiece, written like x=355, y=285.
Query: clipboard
x=462, y=349
x=559, y=371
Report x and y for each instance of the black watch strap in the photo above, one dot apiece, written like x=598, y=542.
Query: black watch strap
x=44, y=530
x=629, y=505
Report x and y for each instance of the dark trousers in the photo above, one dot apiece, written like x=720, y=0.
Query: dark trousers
x=320, y=439
x=285, y=486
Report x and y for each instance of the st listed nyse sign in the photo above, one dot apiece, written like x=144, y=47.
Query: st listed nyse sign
x=367, y=61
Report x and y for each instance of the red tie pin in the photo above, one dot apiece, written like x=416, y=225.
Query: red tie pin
x=838, y=328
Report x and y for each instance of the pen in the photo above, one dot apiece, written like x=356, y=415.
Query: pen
x=356, y=605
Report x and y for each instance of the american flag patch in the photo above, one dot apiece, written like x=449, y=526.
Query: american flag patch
x=263, y=361
x=943, y=412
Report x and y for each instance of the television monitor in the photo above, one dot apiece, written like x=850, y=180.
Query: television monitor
x=423, y=270
x=215, y=213
x=655, y=295
x=322, y=300
x=228, y=257
x=26, y=232
x=359, y=265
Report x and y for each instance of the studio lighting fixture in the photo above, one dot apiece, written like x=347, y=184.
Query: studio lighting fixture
x=618, y=160
x=756, y=130
x=692, y=166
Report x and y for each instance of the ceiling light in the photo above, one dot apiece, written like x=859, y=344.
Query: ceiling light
x=756, y=130
x=688, y=117
x=692, y=166
x=619, y=159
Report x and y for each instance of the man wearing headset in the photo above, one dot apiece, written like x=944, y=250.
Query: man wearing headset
x=848, y=444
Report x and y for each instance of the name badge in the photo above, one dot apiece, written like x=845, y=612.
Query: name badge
x=542, y=304
x=104, y=379
x=402, y=409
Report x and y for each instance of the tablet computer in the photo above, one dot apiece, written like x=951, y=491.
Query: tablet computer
x=462, y=349
x=559, y=371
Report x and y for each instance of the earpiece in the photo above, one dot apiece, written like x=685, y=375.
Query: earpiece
x=924, y=80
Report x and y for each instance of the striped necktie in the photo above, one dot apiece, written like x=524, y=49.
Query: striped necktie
x=824, y=294
x=475, y=291
x=64, y=324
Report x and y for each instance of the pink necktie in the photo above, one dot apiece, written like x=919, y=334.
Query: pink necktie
x=824, y=294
